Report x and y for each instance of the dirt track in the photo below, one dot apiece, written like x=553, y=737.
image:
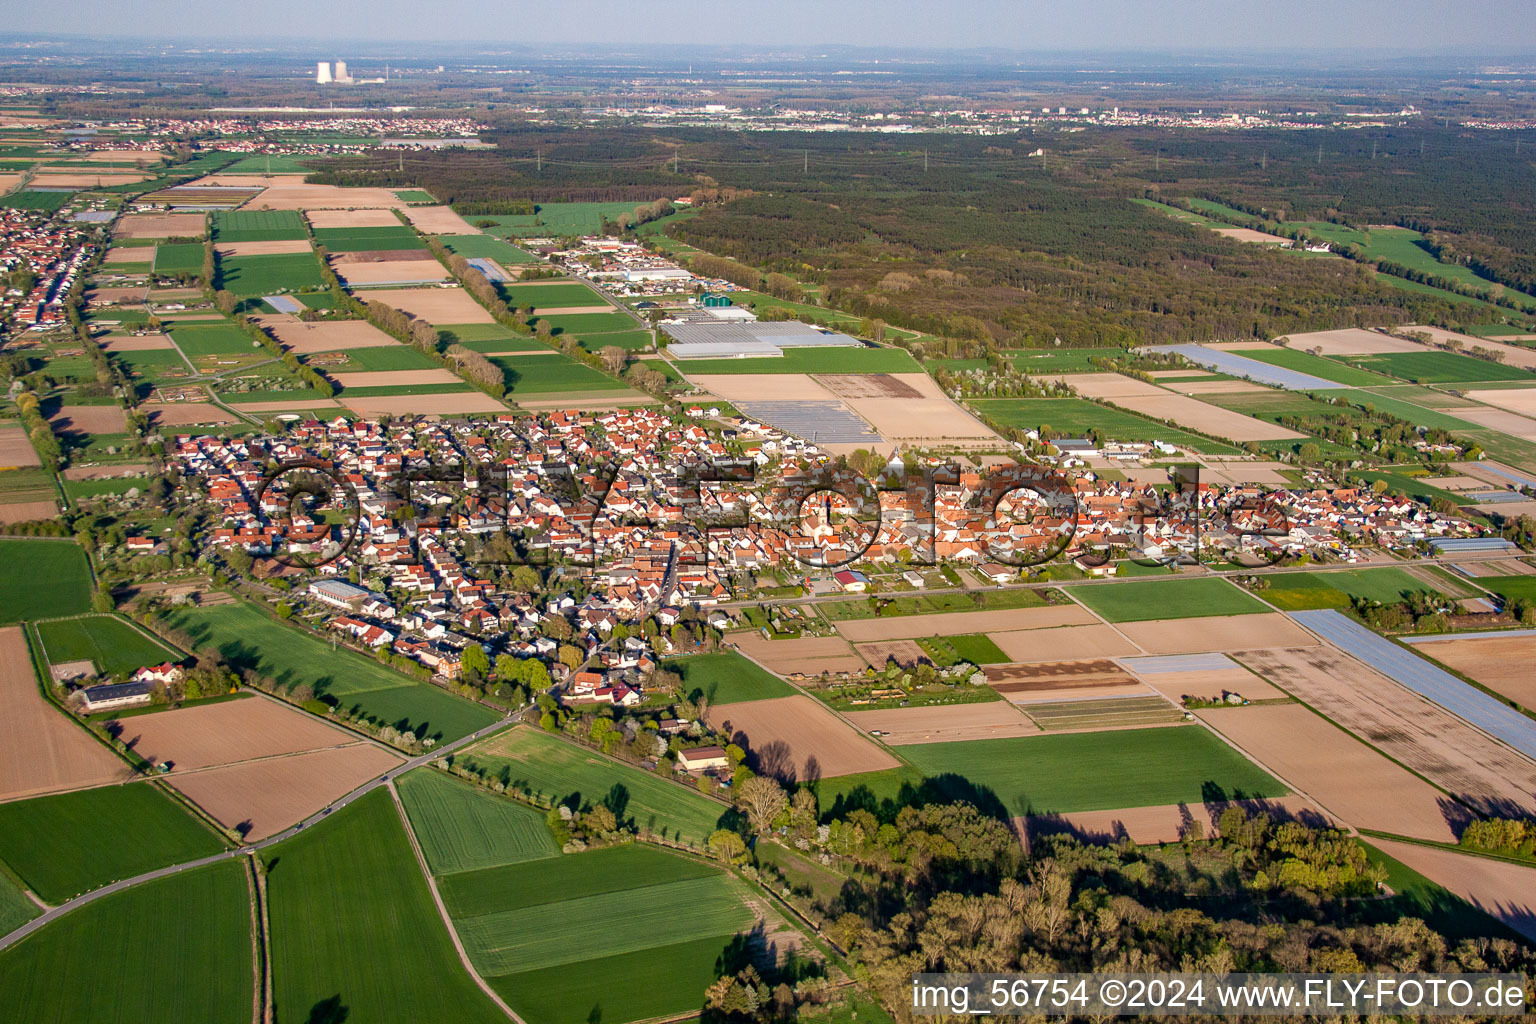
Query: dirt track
x=798, y=738
x=41, y=751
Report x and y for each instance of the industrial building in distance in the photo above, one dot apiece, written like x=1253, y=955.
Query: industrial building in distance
x=705, y=336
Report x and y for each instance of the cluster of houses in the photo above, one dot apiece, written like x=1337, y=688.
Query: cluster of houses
x=54, y=252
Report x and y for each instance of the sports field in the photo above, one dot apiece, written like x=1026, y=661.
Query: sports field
x=180, y=953
x=355, y=935
x=368, y=239
x=258, y=226
x=536, y=762
x=1074, y=417
x=248, y=638
x=1143, y=600
x=486, y=246
x=69, y=843
x=463, y=828
x=1297, y=591
x=263, y=275
x=179, y=258
x=550, y=294
x=42, y=579
x=1317, y=366
x=536, y=374
x=1093, y=771
x=1430, y=367
x=108, y=642
x=812, y=360
x=517, y=924
x=728, y=678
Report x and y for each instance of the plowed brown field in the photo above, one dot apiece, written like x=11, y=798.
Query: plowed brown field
x=798, y=738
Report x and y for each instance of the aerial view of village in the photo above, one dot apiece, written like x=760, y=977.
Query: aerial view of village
x=523, y=526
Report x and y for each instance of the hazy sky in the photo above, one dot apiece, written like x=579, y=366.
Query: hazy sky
x=1459, y=26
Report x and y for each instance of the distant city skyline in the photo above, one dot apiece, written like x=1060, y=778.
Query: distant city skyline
x=1501, y=27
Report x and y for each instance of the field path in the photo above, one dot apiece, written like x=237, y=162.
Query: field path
x=442, y=911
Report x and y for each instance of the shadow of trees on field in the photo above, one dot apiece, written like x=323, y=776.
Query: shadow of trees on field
x=329, y=1011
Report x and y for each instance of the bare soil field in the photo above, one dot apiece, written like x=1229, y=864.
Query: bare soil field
x=206, y=735
x=456, y=403
x=910, y=627
x=27, y=511
x=1504, y=422
x=1223, y=633
x=1501, y=663
x=136, y=254
x=759, y=387
x=1316, y=757
x=322, y=219
x=1519, y=400
x=116, y=469
x=42, y=751
x=1350, y=341
x=906, y=407
x=322, y=197
x=160, y=225
x=1489, y=472
x=380, y=256
x=68, y=178
x=250, y=180
x=437, y=305
x=180, y=414
x=1213, y=387
x=1250, y=235
x=10, y=181
x=1212, y=685
x=439, y=220
x=1165, y=824
x=92, y=419
x=391, y=272
x=798, y=738
x=899, y=726
x=226, y=250
x=907, y=653
x=1063, y=643
x=16, y=452
x=1208, y=419
x=1455, y=483
x=806, y=655
x=1501, y=890
x=115, y=296
x=1236, y=473
x=309, y=338
x=1425, y=737
x=1514, y=355
x=146, y=343
x=1175, y=374
x=124, y=156
x=1057, y=675
x=263, y=797
x=291, y=406
x=391, y=378
x=1111, y=385
x=585, y=401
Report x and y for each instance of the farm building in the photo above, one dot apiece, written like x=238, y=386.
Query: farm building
x=114, y=695
x=338, y=594
x=749, y=340
x=701, y=759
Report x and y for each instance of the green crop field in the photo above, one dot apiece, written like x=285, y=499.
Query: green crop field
x=728, y=678
x=368, y=239
x=42, y=579
x=386, y=357
x=1440, y=367
x=1511, y=588
x=1267, y=404
x=501, y=346
x=1317, y=366
x=15, y=908
x=535, y=374
x=551, y=294
x=1094, y=771
x=248, y=638
x=462, y=828
x=272, y=163
x=445, y=388
x=1297, y=591
x=485, y=246
x=1074, y=417
x=259, y=226
x=44, y=202
x=534, y=761
x=516, y=923
x=67, y=844
x=355, y=935
x=110, y=643
x=1405, y=410
x=1400, y=246
x=632, y=341
x=813, y=360
x=181, y=954
x=211, y=339
x=664, y=368
x=586, y=324
x=1142, y=600
x=179, y=258
x=263, y=275
x=976, y=648
x=481, y=332
x=554, y=219
x=414, y=195
x=1061, y=360
x=1402, y=483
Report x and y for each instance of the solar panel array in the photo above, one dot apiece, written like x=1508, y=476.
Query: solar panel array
x=1235, y=365
x=817, y=422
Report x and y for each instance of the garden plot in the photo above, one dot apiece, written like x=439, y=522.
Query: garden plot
x=1063, y=643
x=944, y=724
x=437, y=305
x=797, y=738
x=1218, y=633
x=1001, y=620
x=1353, y=782
x=1422, y=736
x=1350, y=341
x=807, y=655
x=1169, y=823
x=41, y=749
x=1501, y=663
x=308, y=338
